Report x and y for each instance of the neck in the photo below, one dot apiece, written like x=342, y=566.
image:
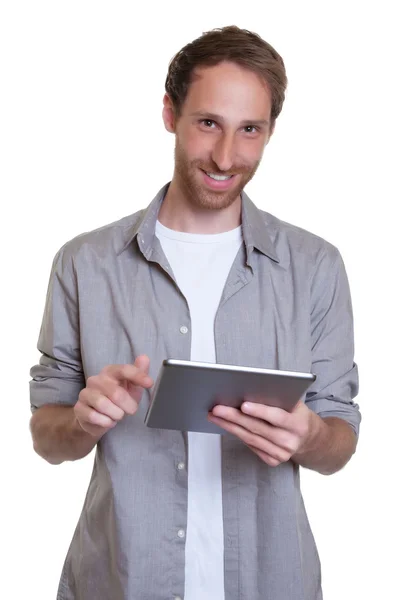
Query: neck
x=178, y=213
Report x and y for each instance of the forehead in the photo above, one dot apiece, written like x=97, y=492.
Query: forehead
x=229, y=88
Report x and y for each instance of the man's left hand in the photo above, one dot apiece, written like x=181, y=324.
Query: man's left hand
x=274, y=434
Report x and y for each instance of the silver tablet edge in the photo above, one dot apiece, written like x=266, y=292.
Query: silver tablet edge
x=222, y=367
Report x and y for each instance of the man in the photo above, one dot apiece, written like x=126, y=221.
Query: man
x=201, y=274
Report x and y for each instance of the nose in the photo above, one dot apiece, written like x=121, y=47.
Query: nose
x=224, y=152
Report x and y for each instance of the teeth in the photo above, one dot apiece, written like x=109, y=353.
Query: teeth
x=219, y=177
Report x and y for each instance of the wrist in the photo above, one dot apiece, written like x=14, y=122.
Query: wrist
x=317, y=436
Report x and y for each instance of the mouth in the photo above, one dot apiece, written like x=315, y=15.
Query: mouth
x=218, y=182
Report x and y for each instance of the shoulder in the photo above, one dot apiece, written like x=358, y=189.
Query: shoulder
x=100, y=242
x=294, y=243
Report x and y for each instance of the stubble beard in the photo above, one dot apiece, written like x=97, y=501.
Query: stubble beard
x=198, y=195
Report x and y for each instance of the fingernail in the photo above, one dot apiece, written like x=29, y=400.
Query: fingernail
x=246, y=407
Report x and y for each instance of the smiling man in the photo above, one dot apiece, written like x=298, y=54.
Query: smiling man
x=200, y=274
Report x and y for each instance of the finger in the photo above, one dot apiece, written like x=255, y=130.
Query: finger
x=289, y=428
x=111, y=401
x=287, y=440
x=269, y=460
x=93, y=430
x=272, y=414
x=118, y=396
x=252, y=423
x=142, y=362
x=252, y=439
x=86, y=414
x=226, y=412
x=130, y=374
x=122, y=393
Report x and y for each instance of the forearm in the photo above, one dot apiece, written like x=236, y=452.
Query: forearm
x=57, y=435
x=332, y=444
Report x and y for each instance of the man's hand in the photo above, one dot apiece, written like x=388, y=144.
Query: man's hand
x=274, y=434
x=115, y=392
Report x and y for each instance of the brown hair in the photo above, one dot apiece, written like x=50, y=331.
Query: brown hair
x=243, y=47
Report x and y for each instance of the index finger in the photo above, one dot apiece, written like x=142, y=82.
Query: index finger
x=129, y=373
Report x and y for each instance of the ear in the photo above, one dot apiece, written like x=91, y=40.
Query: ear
x=168, y=114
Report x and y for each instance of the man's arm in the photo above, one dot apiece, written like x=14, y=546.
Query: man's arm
x=70, y=432
x=57, y=435
x=330, y=448
x=276, y=436
x=332, y=394
x=320, y=433
x=58, y=378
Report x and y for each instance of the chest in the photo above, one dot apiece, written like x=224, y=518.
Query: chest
x=133, y=306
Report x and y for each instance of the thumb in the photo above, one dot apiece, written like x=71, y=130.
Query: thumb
x=142, y=362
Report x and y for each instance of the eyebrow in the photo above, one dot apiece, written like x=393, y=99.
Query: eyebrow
x=219, y=118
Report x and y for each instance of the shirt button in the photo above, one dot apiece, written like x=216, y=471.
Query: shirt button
x=181, y=466
x=184, y=329
x=181, y=533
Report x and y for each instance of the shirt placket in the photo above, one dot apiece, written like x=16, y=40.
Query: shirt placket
x=240, y=275
x=181, y=344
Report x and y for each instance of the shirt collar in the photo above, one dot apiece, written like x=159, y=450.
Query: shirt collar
x=255, y=230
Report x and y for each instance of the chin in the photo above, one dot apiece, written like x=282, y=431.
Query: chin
x=213, y=200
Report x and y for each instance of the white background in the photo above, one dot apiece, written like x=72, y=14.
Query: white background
x=83, y=144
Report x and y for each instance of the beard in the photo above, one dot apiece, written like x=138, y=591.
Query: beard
x=197, y=194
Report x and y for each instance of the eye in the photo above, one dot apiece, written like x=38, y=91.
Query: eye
x=208, y=123
x=250, y=129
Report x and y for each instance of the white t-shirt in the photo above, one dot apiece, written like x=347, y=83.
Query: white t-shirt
x=201, y=264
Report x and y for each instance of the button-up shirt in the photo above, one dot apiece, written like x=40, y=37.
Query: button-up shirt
x=112, y=296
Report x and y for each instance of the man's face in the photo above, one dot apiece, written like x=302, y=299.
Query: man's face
x=222, y=132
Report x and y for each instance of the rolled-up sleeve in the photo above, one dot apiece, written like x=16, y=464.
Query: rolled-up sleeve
x=332, y=335
x=58, y=377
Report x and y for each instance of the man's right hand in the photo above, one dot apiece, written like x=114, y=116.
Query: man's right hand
x=115, y=392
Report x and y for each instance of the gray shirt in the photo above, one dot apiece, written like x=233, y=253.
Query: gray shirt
x=112, y=296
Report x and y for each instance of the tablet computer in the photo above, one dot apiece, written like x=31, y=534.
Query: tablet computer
x=185, y=391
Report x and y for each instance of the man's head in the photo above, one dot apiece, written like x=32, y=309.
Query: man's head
x=224, y=92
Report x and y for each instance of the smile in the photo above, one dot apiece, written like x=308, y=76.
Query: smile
x=218, y=182
x=219, y=177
